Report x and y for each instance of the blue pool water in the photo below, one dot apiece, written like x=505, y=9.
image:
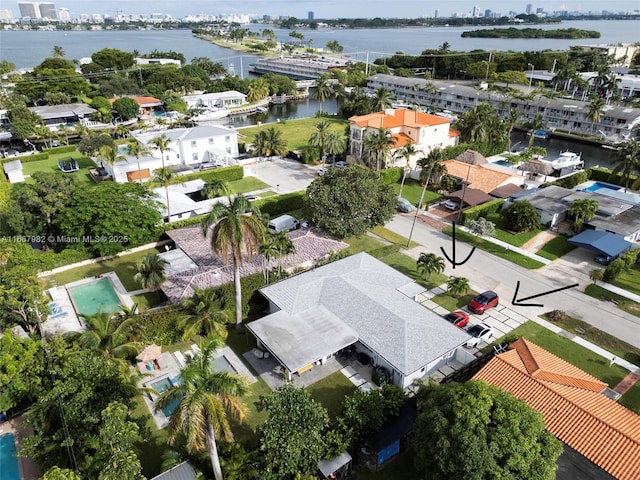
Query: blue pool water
x=221, y=364
x=94, y=297
x=123, y=149
x=598, y=185
x=503, y=163
x=160, y=386
x=9, y=469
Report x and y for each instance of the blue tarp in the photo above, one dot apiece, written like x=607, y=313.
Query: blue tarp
x=605, y=243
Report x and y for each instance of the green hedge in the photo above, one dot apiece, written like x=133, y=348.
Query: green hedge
x=252, y=302
x=571, y=181
x=228, y=174
x=63, y=149
x=389, y=176
x=4, y=193
x=187, y=222
x=483, y=210
x=28, y=158
x=600, y=174
x=281, y=204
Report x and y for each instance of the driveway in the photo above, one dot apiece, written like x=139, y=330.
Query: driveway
x=493, y=273
x=283, y=175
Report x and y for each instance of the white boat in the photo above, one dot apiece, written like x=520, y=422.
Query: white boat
x=568, y=160
x=210, y=114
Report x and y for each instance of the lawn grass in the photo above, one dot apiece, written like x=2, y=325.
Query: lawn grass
x=392, y=237
x=50, y=165
x=331, y=392
x=584, y=359
x=268, y=193
x=495, y=249
x=555, y=248
x=623, y=303
x=452, y=303
x=247, y=184
x=145, y=300
x=155, y=440
x=502, y=233
x=124, y=266
x=296, y=132
x=363, y=243
x=412, y=191
x=630, y=280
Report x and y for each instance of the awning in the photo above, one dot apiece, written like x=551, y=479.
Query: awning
x=472, y=196
x=604, y=243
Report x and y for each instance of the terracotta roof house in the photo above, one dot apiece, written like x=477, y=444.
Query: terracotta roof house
x=572, y=404
x=357, y=301
x=209, y=270
x=406, y=126
x=146, y=104
x=480, y=177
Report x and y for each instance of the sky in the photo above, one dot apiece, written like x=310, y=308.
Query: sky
x=326, y=8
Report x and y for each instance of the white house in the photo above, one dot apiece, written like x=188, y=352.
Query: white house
x=425, y=131
x=13, y=170
x=191, y=147
x=357, y=301
x=227, y=99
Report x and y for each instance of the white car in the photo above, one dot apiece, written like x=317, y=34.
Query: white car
x=480, y=332
x=321, y=171
x=451, y=205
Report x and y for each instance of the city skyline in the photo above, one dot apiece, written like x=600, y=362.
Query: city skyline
x=329, y=8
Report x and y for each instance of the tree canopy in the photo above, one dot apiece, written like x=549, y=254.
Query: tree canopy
x=521, y=216
x=349, y=201
x=476, y=431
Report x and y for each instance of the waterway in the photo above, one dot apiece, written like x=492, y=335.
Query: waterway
x=29, y=48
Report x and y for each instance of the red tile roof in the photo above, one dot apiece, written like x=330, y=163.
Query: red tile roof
x=142, y=100
x=400, y=117
x=573, y=408
x=480, y=177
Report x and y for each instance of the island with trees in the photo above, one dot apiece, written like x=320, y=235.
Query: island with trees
x=513, y=32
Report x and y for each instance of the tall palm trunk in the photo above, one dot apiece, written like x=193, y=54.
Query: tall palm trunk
x=213, y=452
x=404, y=175
x=166, y=194
x=139, y=171
x=237, y=287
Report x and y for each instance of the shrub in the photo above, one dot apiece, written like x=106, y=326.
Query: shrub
x=228, y=174
x=310, y=155
x=600, y=174
x=252, y=302
x=29, y=158
x=4, y=193
x=570, y=181
x=63, y=149
x=483, y=210
x=390, y=176
x=521, y=216
x=614, y=269
x=158, y=327
x=288, y=202
x=482, y=227
x=187, y=222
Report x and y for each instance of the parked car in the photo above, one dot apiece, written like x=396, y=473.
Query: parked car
x=480, y=332
x=458, y=318
x=484, y=302
x=405, y=206
x=451, y=204
x=283, y=223
x=340, y=164
x=321, y=171
x=603, y=259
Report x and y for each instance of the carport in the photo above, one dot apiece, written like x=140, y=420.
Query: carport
x=604, y=243
x=471, y=196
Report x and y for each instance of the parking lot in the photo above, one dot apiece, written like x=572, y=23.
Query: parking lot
x=283, y=175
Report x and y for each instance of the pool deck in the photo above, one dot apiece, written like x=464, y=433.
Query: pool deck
x=172, y=365
x=28, y=468
x=70, y=320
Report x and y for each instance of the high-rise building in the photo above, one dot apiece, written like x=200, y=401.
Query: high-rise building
x=476, y=11
x=529, y=9
x=64, y=15
x=310, y=15
x=435, y=15
x=487, y=13
x=38, y=10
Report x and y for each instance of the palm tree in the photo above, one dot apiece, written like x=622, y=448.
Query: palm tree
x=594, y=111
x=269, y=250
x=323, y=90
x=595, y=275
x=377, y=146
x=534, y=124
x=236, y=231
x=206, y=399
x=109, y=154
x=627, y=162
x=108, y=334
x=137, y=150
x=204, y=311
x=165, y=176
x=480, y=124
x=583, y=210
x=161, y=142
x=269, y=142
x=432, y=166
x=334, y=144
x=381, y=99
x=284, y=247
x=258, y=89
x=150, y=272
x=405, y=152
x=57, y=52
x=514, y=116
x=428, y=264
x=457, y=286
x=319, y=137
x=216, y=187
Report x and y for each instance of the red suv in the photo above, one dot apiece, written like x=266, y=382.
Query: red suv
x=459, y=318
x=483, y=302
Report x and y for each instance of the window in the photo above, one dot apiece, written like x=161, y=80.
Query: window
x=211, y=141
x=194, y=157
x=227, y=138
x=228, y=149
x=193, y=143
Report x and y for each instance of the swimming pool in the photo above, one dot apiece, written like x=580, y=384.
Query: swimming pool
x=94, y=297
x=162, y=385
x=598, y=185
x=9, y=469
x=503, y=163
x=123, y=149
x=221, y=364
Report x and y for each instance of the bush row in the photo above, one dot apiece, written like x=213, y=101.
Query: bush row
x=252, y=302
x=483, y=210
x=571, y=181
x=600, y=174
x=62, y=149
x=624, y=263
x=28, y=158
x=274, y=206
x=228, y=174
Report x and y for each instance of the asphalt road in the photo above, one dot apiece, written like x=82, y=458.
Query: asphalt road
x=486, y=272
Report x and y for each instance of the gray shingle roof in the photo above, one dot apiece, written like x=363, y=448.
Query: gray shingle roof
x=366, y=295
x=184, y=471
